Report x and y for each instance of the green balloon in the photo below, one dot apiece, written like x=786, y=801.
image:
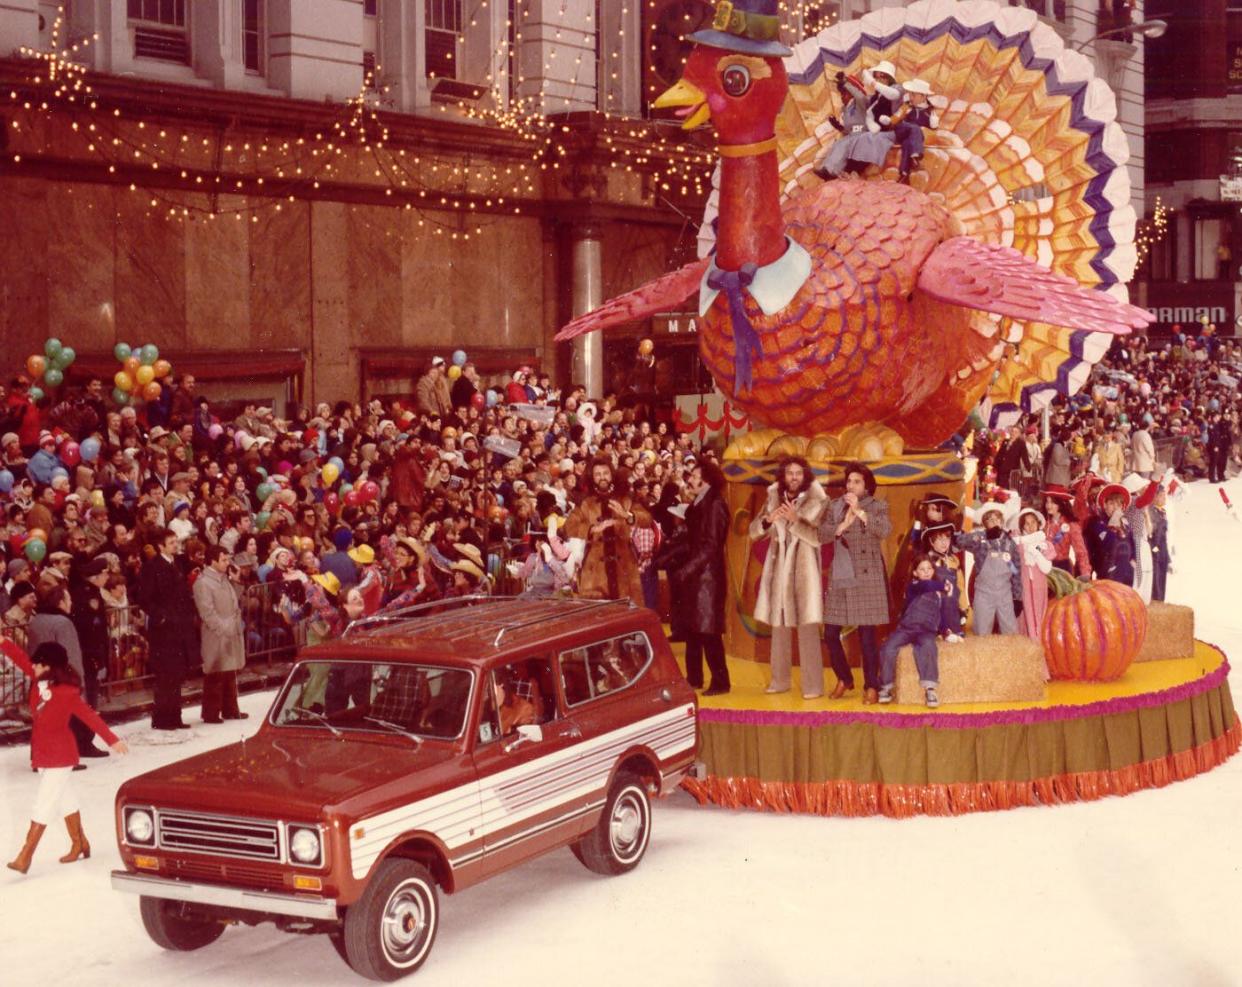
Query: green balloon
x=64, y=359
x=36, y=394
x=263, y=491
x=261, y=519
x=120, y=397
x=51, y=348
x=53, y=377
x=122, y=352
x=149, y=354
x=35, y=549
x=262, y=471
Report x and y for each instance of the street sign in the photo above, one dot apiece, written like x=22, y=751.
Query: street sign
x=1231, y=188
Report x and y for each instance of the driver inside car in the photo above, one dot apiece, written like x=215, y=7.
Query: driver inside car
x=515, y=695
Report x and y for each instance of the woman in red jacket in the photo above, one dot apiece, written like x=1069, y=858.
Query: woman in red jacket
x=54, y=700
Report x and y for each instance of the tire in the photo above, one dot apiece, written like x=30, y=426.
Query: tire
x=170, y=929
x=620, y=838
x=390, y=930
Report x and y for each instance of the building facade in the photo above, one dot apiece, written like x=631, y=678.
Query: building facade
x=1194, y=139
x=349, y=186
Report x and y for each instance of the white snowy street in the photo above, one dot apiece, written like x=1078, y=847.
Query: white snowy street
x=1138, y=890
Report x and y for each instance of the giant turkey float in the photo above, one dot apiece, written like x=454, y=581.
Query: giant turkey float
x=864, y=319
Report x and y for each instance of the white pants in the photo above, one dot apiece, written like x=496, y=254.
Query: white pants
x=55, y=790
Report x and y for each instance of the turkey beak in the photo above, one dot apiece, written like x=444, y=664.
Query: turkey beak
x=691, y=102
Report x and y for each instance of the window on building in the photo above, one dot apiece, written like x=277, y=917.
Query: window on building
x=160, y=30
x=369, y=7
x=1210, y=237
x=1054, y=9
x=369, y=75
x=252, y=35
x=1162, y=259
x=443, y=19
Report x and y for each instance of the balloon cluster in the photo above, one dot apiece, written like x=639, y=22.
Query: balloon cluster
x=459, y=361
x=140, y=374
x=49, y=369
x=346, y=494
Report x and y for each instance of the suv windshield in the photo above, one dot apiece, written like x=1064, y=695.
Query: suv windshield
x=374, y=696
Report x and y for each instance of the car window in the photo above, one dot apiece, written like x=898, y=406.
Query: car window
x=522, y=693
x=422, y=699
x=604, y=667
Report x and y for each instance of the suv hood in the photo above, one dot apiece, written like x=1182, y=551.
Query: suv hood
x=282, y=777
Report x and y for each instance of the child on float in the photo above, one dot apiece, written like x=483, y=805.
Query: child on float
x=1160, y=537
x=55, y=699
x=996, y=577
x=919, y=114
x=1035, y=554
x=1142, y=492
x=938, y=544
x=922, y=621
x=1064, y=532
x=1109, y=536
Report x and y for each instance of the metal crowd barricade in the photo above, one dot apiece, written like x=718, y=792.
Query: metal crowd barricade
x=128, y=655
x=275, y=628
x=14, y=685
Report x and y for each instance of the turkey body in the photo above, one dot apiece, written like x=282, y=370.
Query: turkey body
x=859, y=342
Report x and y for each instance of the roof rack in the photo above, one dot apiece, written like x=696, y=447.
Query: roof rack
x=419, y=612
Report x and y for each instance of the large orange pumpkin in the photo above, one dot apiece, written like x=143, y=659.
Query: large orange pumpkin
x=1094, y=632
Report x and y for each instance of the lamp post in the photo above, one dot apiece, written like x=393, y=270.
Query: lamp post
x=1148, y=29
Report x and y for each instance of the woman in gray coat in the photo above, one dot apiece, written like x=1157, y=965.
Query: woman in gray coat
x=223, y=638
x=856, y=523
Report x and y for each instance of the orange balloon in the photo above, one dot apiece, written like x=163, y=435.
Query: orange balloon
x=38, y=533
x=152, y=391
x=145, y=375
x=132, y=364
x=123, y=381
x=646, y=347
x=35, y=365
x=162, y=368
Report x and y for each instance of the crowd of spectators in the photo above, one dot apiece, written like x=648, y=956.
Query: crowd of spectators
x=338, y=511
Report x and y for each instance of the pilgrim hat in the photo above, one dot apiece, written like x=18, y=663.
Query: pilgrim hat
x=751, y=27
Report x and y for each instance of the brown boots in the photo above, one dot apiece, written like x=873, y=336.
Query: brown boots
x=80, y=849
x=22, y=863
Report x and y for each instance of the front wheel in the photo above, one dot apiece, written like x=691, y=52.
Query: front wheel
x=619, y=839
x=170, y=927
x=390, y=930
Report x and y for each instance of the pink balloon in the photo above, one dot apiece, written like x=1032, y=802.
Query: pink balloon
x=215, y=431
x=71, y=453
x=237, y=439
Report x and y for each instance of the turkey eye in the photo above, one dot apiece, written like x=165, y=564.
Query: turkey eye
x=736, y=80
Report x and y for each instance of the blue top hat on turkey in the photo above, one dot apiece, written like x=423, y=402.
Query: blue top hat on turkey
x=751, y=27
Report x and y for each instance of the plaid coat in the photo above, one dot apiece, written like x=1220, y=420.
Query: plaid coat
x=863, y=600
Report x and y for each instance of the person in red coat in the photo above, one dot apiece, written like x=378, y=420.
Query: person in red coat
x=55, y=699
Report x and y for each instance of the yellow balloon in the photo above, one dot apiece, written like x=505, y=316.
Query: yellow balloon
x=454, y=372
x=330, y=473
x=123, y=381
x=145, y=375
x=97, y=498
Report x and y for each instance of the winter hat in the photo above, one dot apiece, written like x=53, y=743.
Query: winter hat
x=9, y=437
x=52, y=654
x=21, y=588
x=342, y=538
x=437, y=361
x=17, y=567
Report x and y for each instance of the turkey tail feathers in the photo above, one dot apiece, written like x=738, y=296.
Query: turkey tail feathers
x=661, y=295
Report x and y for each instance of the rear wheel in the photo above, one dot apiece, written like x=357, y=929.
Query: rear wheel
x=619, y=839
x=170, y=927
x=390, y=930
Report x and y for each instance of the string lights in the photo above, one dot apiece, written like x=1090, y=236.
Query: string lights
x=1150, y=232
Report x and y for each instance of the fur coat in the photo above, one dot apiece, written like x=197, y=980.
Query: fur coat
x=791, y=586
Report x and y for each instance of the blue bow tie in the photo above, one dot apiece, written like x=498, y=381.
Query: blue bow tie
x=746, y=342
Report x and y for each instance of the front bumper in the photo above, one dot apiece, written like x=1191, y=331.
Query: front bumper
x=297, y=906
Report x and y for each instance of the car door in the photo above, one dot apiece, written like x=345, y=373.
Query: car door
x=529, y=781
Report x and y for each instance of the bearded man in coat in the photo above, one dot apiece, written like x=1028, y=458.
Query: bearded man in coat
x=223, y=637
x=702, y=578
x=604, y=520
x=791, y=586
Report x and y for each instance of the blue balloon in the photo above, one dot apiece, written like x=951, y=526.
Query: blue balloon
x=6, y=481
x=339, y=463
x=90, y=449
x=264, y=571
x=492, y=398
x=60, y=471
x=459, y=358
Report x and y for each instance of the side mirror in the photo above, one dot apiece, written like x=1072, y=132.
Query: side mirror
x=529, y=733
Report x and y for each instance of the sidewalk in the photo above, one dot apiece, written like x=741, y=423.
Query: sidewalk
x=136, y=703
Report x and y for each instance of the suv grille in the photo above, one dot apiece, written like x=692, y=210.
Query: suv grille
x=219, y=836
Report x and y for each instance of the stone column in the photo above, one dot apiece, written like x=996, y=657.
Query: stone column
x=315, y=48
x=588, y=293
x=621, y=71
x=556, y=54
x=402, y=53
x=112, y=50
x=19, y=24
x=216, y=37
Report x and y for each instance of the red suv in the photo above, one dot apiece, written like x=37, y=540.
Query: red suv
x=426, y=749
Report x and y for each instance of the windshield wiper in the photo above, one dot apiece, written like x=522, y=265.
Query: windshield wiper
x=394, y=728
x=319, y=717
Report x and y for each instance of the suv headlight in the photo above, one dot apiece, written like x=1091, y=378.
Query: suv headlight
x=139, y=826
x=304, y=845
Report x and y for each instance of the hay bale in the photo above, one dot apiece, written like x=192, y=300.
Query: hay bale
x=1170, y=632
x=1005, y=668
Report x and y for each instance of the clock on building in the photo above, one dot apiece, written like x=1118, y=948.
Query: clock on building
x=666, y=24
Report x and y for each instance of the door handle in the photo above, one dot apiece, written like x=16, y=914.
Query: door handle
x=666, y=695
x=572, y=731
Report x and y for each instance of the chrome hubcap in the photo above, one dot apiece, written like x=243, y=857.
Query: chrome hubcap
x=626, y=824
x=405, y=921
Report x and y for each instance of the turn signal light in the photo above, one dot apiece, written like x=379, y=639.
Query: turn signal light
x=307, y=883
x=147, y=863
